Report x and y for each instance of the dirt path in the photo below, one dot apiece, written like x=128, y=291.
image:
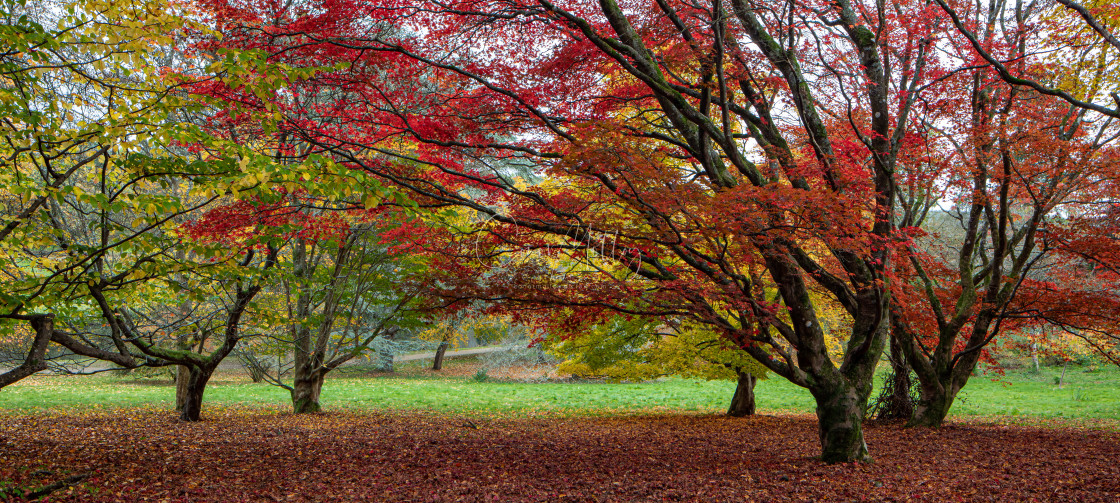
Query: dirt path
x=450, y=353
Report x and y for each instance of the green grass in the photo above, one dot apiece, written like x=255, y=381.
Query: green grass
x=1084, y=395
x=105, y=391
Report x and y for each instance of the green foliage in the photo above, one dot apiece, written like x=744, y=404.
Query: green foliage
x=96, y=177
x=88, y=151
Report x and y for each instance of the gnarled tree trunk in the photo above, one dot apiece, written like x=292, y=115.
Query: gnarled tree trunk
x=36, y=359
x=182, y=376
x=932, y=407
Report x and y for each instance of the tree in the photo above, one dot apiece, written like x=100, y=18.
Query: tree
x=89, y=134
x=203, y=334
x=344, y=289
x=994, y=259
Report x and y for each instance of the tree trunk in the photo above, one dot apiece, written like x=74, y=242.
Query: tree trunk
x=742, y=404
x=894, y=402
x=192, y=401
x=437, y=364
x=840, y=411
x=182, y=373
x=182, y=382
x=932, y=407
x=940, y=390
x=305, y=392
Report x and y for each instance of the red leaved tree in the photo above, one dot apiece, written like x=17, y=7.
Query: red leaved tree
x=1018, y=177
x=723, y=162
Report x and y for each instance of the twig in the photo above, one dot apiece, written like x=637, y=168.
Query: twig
x=50, y=488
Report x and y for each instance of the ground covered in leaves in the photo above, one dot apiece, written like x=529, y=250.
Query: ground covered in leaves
x=265, y=455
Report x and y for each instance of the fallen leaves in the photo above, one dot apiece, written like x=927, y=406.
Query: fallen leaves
x=260, y=455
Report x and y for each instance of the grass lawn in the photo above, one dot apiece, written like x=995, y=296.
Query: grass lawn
x=1085, y=395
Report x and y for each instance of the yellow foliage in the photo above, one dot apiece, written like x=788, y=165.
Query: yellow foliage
x=643, y=349
x=1081, y=62
x=458, y=329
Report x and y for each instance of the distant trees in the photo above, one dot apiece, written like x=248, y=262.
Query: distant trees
x=447, y=328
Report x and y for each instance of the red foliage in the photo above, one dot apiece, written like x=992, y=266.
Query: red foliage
x=245, y=222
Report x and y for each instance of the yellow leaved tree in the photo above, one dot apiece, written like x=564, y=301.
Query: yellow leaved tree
x=642, y=348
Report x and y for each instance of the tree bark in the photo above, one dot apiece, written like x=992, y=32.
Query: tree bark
x=742, y=404
x=305, y=392
x=192, y=401
x=840, y=414
x=437, y=364
x=182, y=382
